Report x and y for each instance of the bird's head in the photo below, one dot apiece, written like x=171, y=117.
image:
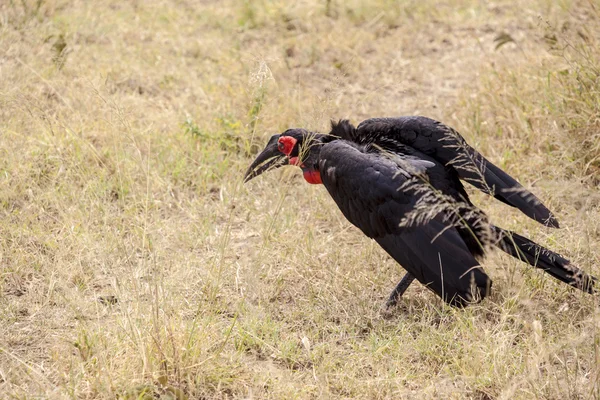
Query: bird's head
x=293, y=147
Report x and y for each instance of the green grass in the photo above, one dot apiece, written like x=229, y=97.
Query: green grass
x=135, y=264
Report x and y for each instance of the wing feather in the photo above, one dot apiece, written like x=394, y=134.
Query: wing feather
x=448, y=147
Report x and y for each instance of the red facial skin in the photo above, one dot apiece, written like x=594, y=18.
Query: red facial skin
x=286, y=145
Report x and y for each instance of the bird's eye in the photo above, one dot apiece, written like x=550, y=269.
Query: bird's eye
x=280, y=146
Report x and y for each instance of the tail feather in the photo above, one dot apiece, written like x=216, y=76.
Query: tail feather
x=540, y=257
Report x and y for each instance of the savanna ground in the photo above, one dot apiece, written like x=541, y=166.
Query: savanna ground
x=135, y=264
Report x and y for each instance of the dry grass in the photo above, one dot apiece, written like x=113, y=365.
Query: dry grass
x=135, y=264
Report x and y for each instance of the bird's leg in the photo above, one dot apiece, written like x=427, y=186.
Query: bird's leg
x=399, y=290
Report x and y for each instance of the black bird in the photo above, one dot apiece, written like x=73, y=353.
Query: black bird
x=398, y=181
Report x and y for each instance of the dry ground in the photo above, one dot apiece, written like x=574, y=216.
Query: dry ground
x=134, y=263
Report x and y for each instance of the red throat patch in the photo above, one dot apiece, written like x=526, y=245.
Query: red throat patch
x=312, y=176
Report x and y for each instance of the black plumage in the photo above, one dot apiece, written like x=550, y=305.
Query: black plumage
x=399, y=181
x=450, y=149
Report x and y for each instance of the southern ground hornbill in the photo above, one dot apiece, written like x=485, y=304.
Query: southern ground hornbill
x=398, y=180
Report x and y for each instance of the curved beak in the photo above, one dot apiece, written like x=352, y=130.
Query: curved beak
x=269, y=158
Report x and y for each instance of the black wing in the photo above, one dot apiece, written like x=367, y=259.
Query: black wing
x=365, y=187
x=448, y=147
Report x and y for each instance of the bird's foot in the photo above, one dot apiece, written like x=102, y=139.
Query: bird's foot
x=398, y=291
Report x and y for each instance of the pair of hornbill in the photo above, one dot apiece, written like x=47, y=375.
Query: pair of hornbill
x=399, y=181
